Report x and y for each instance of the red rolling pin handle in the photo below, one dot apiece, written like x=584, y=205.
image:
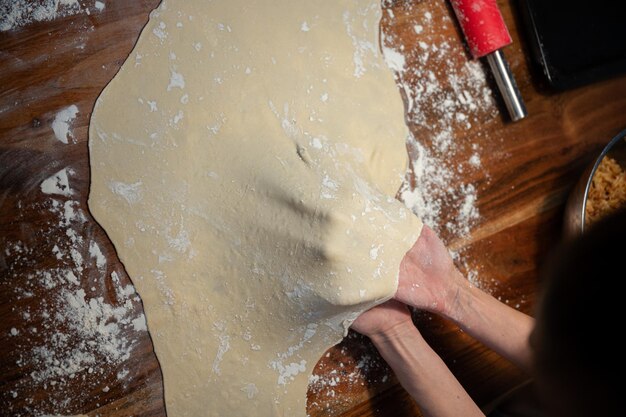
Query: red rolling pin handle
x=482, y=25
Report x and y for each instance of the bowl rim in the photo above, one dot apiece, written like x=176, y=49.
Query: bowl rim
x=621, y=135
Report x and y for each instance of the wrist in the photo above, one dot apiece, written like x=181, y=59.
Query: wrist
x=462, y=300
x=393, y=334
x=458, y=293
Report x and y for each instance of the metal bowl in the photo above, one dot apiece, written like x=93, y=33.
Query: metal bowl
x=577, y=201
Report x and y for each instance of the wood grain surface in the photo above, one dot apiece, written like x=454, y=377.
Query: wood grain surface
x=526, y=171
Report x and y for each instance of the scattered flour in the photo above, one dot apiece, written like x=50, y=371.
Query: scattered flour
x=353, y=367
x=15, y=14
x=75, y=336
x=444, y=101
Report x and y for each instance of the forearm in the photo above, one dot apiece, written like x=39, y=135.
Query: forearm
x=500, y=327
x=424, y=375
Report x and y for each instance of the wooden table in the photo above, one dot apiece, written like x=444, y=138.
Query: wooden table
x=526, y=171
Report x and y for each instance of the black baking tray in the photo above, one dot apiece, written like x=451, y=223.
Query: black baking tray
x=575, y=42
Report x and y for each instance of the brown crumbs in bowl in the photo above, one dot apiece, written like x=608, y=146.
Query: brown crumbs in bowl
x=607, y=192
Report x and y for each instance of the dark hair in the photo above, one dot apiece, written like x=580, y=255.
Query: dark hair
x=580, y=316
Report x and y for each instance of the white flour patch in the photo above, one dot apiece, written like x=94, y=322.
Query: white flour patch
x=96, y=253
x=374, y=251
x=251, y=390
x=160, y=31
x=57, y=184
x=132, y=193
x=180, y=242
x=474, y=160
x=394, y=59
x=139, y=323
x=176, y=80
x=71, y=278
x=365, y=49
x=223, y=347
x=62, y=121
x=177, y=118
x=286, y=373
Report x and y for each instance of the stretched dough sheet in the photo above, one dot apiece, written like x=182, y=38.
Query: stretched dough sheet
x=244, y=161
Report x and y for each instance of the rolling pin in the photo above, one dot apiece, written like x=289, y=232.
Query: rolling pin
x=486, y=35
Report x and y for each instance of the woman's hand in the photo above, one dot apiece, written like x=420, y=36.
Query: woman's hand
x=429, y=280
x=387, y=320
